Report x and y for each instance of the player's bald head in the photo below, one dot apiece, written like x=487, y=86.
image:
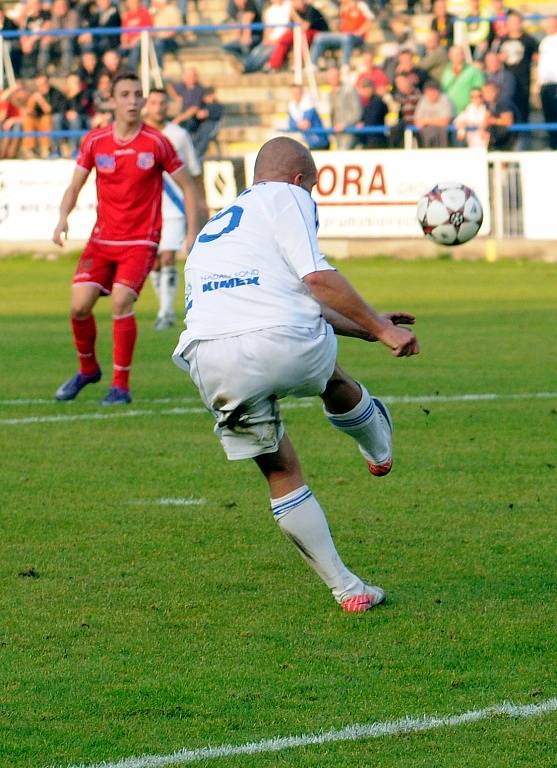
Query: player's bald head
x=283, y=159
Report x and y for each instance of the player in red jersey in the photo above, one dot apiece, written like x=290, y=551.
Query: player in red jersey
x=129, y=158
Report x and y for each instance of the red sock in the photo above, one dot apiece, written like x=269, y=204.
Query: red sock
x=124, y=334
x=84, y=335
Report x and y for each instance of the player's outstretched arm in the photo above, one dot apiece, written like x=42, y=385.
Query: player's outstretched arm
x=67, y=205
x=187, y=185
x=333, y=290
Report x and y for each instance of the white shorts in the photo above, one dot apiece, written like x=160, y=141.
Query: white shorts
x=173, y=233
x=240, y=379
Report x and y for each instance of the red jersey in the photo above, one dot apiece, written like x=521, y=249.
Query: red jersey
x=129, y=183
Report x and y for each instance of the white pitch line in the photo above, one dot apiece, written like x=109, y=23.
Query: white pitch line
x=405, y=725
x=170, y=502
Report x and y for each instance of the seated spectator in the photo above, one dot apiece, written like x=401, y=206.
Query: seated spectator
x=499, y=117
x=374, y=112
x=355, y=21
x=473, y=117
x=244, y=40
x=478, y=33
x=443, y=23
x=136, y=15
x=404, y=64
x=304, y=117
x=398, y=36
x=432, y=117
x=189, y=95
x=166, y=14
x=459, y=78
x=367, y=70
x=59, y=48
x=102, y=108
x=498, y=21
x=311, y=20
x=13, y=45
x=34, y=19
x=105, y=15
x=89, y=69
x=496, y=72
x=345, y=108
x=207, y=121
x=12, y=104
x=435, y=57
x=40, y=108
x=277, y=13
x=111, y=63
x=74, y=117
x=407, y=96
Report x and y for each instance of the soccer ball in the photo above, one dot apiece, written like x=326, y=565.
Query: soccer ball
x=450, y=214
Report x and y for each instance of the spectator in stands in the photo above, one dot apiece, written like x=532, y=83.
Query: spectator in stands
x=435, y=57
x=136, y=15
x=166, y=14
x=189, y=95
x=42, y=105
x=89, y=69
x=207, y=120
x=345, y=108
x=518, y=50
x=111, y=63
x=459, y=78
x=60, y=48
x=12, y=102
x=374, y=112
x=103, y=113
x=433, y=116
x=34, y=19
x=443, y=23
x=367, y=70
x=478, y=32
x=13, y=46
x=277, y=13
x=74, y=116
x=106, y=16
x=311, y=20
x=495, y=72
x=498, y=20
x=399, y=36
x=547, y=76
x=244, y=40
x=499, y=118
x=407, y=96
x=473, y=117
x=404, y=64
x=355, y=21
x=304, y=117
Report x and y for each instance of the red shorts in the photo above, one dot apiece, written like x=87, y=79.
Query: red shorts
x=106, y=265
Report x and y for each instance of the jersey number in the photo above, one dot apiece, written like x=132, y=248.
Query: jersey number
x=235, y=212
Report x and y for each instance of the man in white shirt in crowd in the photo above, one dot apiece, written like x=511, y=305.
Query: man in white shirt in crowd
x=173, y=234
x=263, y=307
x=547, y=75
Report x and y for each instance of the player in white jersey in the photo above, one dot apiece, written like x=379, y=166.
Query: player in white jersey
x=173, y=233
x=263, y=307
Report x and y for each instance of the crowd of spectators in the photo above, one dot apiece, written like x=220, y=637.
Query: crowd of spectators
x=469, y=93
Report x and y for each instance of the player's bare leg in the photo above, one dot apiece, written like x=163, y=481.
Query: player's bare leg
x=84, y=331
x=350, y=408
x=124, y=335
x=302, y=520
x=167, y=285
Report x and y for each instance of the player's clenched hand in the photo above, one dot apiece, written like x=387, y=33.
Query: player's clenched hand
x=403, y=342
x=60, y=233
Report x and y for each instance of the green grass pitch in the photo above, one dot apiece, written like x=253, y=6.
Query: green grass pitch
x=130, y=628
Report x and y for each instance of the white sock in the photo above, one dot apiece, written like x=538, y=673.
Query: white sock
x=155, y=277
x=366, y=424
x=302, y=520
x=168, y=285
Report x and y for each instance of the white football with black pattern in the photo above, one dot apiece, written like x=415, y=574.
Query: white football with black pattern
x=450, y=213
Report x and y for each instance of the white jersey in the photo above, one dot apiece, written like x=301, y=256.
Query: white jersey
x=246, y=269
x=172, y=198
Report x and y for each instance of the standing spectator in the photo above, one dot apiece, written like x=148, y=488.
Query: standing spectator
x=277, y=13
x=105, y=16
x=12, y=104
x=207, y=121
x=374, y=112
x=244, y=40
x=304, y=117
x=495, y=72
x=89, y=69
x=102, y=108
x=136, y=15
x=459, y=78
x=111, y=63
x=311, y=20
x=407, y=97
x=473, y=117
x=13, y=44
x=189, y=95
x=63, y=48
x=517, y=50
x=547, y=76
x=345, y=108
x=367, y=70
x=443, y=23
x=33, y=19
x=498, y=20
x=478, y=32
x=499, y=118
x=435, y=57
x=355, y=21
x=166, y=14
x=40, y=109
x=432, y=117
x=75, y=115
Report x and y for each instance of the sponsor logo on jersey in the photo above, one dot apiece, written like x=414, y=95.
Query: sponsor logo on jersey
x=145, y=160
x=231, y=282
x=106, y=163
